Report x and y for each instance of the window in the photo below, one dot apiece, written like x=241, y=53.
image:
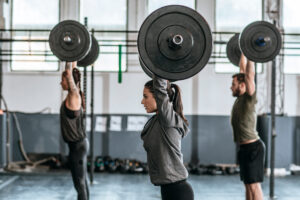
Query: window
x=233, y=16
x=155, y=4
x=291, y=24
x=291, y=54
x=35, y=55
x=107, y=16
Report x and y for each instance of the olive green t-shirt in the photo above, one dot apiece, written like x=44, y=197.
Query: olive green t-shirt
x=243, y=118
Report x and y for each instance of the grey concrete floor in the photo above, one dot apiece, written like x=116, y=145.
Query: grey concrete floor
x=59, y=186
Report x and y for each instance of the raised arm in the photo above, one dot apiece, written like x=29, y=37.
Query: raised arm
x=73, y=100
x=243, y=63
x=249, y=77
x=166, y=113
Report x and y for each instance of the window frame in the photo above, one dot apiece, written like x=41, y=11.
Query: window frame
x=10, y=67
x=148, y=11
x=218, y=31
x=126, y=38
x=295, y=34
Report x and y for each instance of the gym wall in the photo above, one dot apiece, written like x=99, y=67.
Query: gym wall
x=206, y=94
x=209, y=141
x=207, y=102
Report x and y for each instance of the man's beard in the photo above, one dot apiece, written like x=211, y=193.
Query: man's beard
x=236, y=93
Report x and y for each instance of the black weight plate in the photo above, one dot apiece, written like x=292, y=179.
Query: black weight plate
x=75, y=50
x=253, y=46
x=159, y=56
x=171, y=52
x=233, y=50
x=92, y=56
x=147, y=71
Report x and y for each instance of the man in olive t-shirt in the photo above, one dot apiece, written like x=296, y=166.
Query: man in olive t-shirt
x=243, y=120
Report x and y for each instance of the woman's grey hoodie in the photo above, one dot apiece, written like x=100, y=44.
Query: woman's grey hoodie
x=162, y=137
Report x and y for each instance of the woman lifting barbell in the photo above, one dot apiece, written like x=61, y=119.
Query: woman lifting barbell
x=72, y=129
x=162, y=137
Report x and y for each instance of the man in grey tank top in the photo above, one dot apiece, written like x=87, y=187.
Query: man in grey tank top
x=251, y=153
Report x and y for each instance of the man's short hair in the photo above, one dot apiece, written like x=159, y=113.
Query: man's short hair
x=240, y=77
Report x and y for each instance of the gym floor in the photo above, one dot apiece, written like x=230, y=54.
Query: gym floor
x=58, y=186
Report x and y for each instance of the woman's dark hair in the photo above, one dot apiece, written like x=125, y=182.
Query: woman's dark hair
x=174, y=94
x=77, y=79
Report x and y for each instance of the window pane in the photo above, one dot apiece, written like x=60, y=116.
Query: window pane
x=103, y=14
x=291, y=14
x=33, y=14
x=291, y=24
x=291, y=65
x=29, y=56
x=233, y=15
x=110, y=54
x=291, y=53
x=230, y=68
x=113, y=16
x=155, y=4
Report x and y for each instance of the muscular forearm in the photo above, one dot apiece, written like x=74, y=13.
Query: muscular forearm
x=249, y=77
x=249, y=72
x=71, y=83
x=73, y=100
x=243, y=63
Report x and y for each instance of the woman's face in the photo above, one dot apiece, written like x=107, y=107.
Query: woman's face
x=64, y=83
x=149, y=101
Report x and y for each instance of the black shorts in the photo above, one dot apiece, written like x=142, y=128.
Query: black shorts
x=180, y=190
x=251, y=159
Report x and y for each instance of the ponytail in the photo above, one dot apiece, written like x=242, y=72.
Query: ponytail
x=82, y=99
x=174, y=93
x=77, y=79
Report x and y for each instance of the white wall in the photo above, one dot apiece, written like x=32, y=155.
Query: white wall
x=207, y=93
x=31, y=93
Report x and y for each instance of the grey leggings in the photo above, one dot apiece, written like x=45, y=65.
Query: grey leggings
x=78, y=166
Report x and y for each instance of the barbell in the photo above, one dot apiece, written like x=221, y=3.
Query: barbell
x=259, y=41
x=233, y=49
x=174, y=43
x=71, y=41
